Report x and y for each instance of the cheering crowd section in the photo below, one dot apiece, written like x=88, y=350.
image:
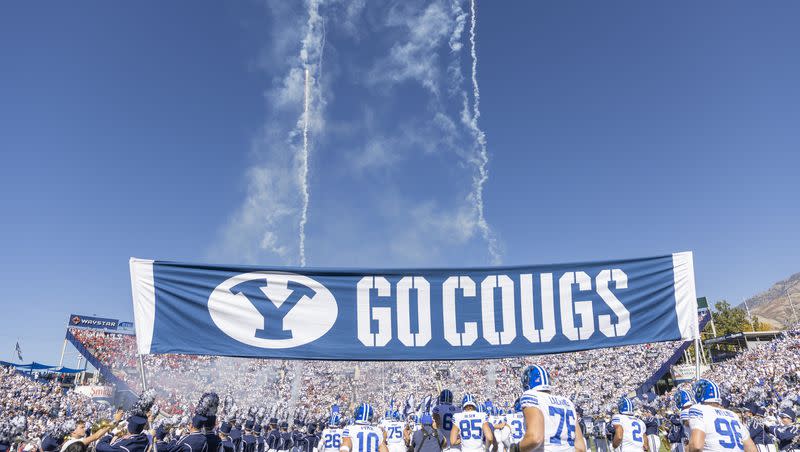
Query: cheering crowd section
x=41, y=417
x=180, y=378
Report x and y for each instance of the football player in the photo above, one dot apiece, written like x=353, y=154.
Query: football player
x=331, y=439
x=629, y=430
x=516, y=421
x=443, y=415
x=550, y=421
x=360, y=436
x=713, y=427
x=470, y=427
x=393, y=427
x=683, y=401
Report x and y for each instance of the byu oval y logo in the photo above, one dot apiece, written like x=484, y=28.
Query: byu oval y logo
x=273, y=310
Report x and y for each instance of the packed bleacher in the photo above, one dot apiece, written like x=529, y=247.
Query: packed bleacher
x=310, y=385
x=763, y=381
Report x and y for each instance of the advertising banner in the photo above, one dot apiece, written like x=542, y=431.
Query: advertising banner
x=85, y=321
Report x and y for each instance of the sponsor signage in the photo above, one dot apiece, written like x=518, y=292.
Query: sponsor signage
x=85, y=321
x=96, y=391
x=685, y=372
x=411, y=314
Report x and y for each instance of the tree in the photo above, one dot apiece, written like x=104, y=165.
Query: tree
x=730, y=319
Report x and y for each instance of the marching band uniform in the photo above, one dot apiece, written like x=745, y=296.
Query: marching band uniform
x=249, y=442
x=226, y=443
x=136, y=441
x=194, y=441
x=274, y=436
x=160, y=443
x=212, y=439
x=786, y=434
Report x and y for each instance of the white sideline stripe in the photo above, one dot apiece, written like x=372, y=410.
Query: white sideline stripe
x=144, y=302
x=685, y=294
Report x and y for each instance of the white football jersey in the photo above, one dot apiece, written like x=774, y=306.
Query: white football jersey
x=517, y=423
x=723, y=428
x=470, y=426
x=687, y=428
x=559, y=419
x=365, y=437
x=446, y=412
x=394, y=432
x=331, y=440
x=633, y=432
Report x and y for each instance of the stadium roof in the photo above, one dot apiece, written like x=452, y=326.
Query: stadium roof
x=747, y=336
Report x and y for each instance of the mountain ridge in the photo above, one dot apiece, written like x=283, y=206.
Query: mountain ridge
x=774, y=306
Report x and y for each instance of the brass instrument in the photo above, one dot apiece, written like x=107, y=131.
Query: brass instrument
x=101, y=424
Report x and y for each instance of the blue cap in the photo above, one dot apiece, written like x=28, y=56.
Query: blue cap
x=50, y=444
x=136, y=424
x=225, y=428
x=161, y=433
x=198, y=421
x=426, y=419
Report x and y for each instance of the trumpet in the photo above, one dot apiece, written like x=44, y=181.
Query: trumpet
x=101, y=424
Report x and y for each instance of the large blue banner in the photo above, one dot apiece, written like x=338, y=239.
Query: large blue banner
x=411, y=314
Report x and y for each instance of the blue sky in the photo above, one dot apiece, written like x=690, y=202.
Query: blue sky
x=169, y=130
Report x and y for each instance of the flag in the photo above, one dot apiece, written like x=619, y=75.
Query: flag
x=19, y=351
x=409, y=406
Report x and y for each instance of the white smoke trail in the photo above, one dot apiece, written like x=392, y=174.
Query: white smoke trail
x=479, y=180
x=304, y=173
x=312, y=50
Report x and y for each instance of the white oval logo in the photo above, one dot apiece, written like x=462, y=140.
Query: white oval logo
x=273, y=310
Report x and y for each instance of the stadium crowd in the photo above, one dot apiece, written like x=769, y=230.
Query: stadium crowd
x=762, y=383
x=309, y=385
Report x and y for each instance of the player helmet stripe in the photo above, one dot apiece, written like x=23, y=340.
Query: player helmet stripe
x=707, y=391
x=625, y=406
x=683, y=398
x=469, y=400
x=446, y=396
x=535, y=377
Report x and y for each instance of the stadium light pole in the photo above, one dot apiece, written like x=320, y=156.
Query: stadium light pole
x=141, y=372
x=63, y=349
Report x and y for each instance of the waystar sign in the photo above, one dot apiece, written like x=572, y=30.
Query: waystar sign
x=408, y=314
x=85, y=321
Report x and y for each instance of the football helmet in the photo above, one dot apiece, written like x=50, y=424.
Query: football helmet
x=706, y=391
x=683, y=398
x=625, y=406
x=363, y=413
x=535, y=377
x=469, y=400
x=446, y=396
